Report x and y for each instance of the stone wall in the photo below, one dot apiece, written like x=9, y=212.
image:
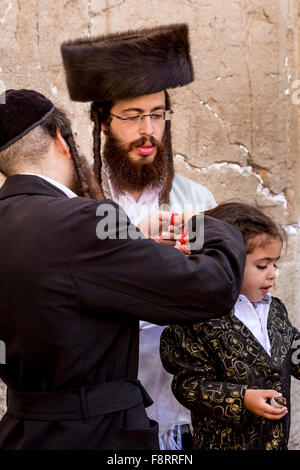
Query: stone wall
x=235, y=129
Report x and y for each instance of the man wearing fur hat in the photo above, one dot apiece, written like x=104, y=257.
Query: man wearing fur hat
x=126, y=76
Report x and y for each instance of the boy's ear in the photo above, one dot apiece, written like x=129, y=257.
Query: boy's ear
x=61, y=145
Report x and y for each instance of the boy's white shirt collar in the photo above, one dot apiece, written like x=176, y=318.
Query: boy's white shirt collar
x=255, y=317
x=60, y=186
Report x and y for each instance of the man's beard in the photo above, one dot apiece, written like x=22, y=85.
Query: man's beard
x=126, y=174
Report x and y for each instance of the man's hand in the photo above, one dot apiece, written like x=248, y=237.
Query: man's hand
x=162, y=227
x=168, y=228
x=255, y=401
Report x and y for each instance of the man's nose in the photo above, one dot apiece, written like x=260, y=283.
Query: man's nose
x=146, y=127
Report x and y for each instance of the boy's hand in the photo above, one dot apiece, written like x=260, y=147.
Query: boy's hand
x=255, y=401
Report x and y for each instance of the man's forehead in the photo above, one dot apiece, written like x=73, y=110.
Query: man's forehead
x=144, y=102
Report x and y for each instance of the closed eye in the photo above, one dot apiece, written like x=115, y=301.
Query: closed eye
x=157, y=116
x=133, y=118
x=264, y=267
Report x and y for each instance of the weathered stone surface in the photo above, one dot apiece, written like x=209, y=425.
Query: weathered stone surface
x=235, y=128
x=226, y=181
x=287, y=289
x=2, y=401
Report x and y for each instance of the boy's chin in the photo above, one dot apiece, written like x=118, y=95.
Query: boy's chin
x=257, y=298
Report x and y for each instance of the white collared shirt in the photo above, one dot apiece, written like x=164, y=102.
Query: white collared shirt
x=185, y=195
x=137, y=210
x=60, y=186
x=255, y=316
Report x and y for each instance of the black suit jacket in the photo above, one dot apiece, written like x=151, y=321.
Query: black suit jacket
x=70, y=305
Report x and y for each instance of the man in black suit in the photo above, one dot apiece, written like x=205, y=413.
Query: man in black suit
x=71, y=298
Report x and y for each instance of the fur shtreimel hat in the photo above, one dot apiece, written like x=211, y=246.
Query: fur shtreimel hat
x=129, y=64
x=20, y=112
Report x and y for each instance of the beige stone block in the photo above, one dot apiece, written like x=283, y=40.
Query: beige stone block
x=99, y=24
x=288, y=275
x=132, y=14
x=2, y=398
x=274, y=206
x=69, y=20
x=287, y=289
x=8, y=25
x=294, y=441
x=226, y=182
x=200, y=133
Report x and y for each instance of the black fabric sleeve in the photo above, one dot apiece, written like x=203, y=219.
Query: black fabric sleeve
x=151, y=281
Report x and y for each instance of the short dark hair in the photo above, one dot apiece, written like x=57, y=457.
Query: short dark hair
x=32, y=147
x=251, y=221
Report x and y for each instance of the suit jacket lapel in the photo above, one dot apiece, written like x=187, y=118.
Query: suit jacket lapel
x=280, y=334
x=250, y=349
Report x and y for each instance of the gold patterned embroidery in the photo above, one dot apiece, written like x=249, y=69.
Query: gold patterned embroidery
x=214, y=362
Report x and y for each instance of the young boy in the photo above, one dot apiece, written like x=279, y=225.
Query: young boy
x=219, y=365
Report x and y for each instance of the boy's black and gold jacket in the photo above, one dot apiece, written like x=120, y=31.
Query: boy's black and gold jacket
x=215, y=361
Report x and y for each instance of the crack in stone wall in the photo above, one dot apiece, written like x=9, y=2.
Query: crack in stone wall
x=115, y=5
x=245, y=170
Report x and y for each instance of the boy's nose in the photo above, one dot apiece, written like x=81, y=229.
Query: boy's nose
x=272, y=273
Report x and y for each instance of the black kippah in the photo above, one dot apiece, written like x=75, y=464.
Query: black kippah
x=20, y=112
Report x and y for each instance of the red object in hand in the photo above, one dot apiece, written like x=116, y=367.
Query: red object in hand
x=173, y=218
x=183, y=235
x=184, y=232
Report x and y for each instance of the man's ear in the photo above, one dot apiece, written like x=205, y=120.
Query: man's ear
x=61, y=145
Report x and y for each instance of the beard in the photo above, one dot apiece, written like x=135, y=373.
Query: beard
x=126, y=174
